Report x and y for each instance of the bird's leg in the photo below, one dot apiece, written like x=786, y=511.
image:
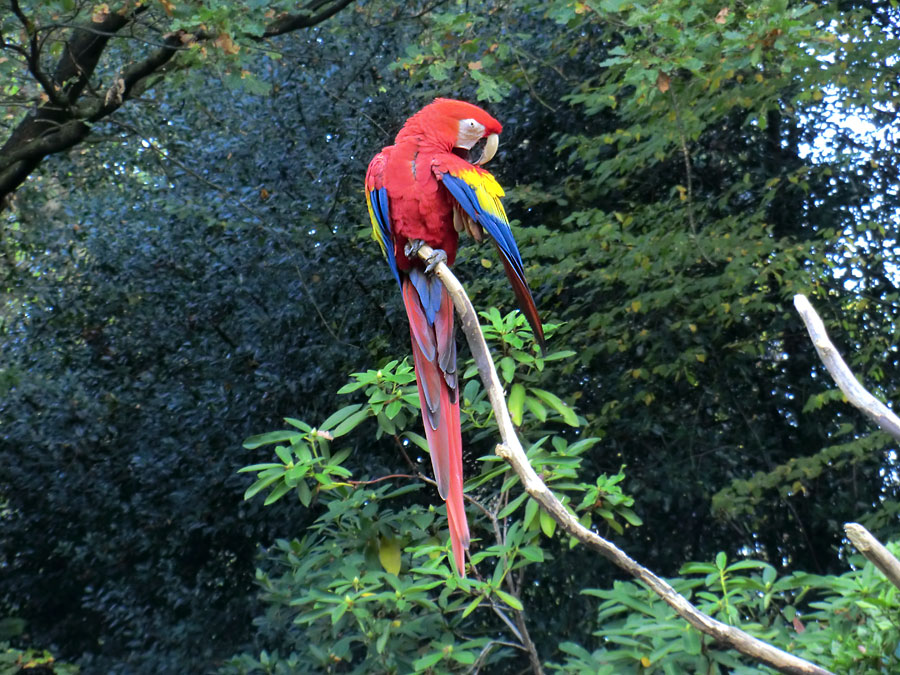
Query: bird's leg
x=439, y=256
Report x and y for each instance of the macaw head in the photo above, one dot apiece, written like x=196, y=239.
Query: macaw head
x=458, y=127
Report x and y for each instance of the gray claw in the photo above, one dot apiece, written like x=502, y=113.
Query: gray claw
x=439, y=256
x=412, y=247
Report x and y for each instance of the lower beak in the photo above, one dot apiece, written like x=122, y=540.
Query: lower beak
x=490, y=149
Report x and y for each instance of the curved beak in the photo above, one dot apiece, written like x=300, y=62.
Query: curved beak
x=490, y=149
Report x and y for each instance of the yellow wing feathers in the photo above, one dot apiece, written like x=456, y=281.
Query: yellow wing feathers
x=487, y=191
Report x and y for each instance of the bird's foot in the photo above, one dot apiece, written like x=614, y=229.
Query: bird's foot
x=439, y=256
x=436, y=258
x=412, y=247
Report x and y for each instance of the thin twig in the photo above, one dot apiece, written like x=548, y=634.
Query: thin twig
x=34, y=58
x=531, y=86
x=688, y=172
x=511, y=450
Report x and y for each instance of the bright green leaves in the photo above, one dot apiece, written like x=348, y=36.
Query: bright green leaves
x=376, y=567
x=606, y=500
x=520, y=361
x=391, y=393
x=306, y=454
x=556, y=404
x=847, y=629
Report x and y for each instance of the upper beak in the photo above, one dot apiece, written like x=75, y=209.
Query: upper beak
x=490, y=149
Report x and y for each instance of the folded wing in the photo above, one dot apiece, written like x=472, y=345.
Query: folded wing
x=478, y=194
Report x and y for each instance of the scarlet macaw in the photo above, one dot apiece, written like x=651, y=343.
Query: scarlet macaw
x=426, y=188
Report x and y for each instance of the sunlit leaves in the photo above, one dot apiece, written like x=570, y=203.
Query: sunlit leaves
x=847, y=629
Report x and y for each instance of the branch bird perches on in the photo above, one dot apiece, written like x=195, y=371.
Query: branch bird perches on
x=511, y=450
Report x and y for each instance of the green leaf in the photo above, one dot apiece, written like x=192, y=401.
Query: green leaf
x=536, y=407
x=339, y=416
x=629, y=515
x=271, y=437
x=746, y=565
x=516, y=403
x=350, y=423
x=532, y=553
x=555, y=402
x=427, y=661
x=464, y=657
x=512, y=506
x=351, y=386
x=393, y=408
x=284, y=454
x=556, y=356
x=697, y=568
x=548, y=525
x=417, y=440
x=507, y=368
x=531, y=510
x=263, y=483
x=276, y=494
x=691, y=641
x=260, y=467
x=389, y=555
x=472, y=606
x=298, y=423
x=510, y=600
x=303, y=493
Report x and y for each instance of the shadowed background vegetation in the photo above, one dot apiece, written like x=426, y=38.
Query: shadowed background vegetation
x=197, y=266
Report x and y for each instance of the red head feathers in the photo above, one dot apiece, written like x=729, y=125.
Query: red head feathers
x=440, y=123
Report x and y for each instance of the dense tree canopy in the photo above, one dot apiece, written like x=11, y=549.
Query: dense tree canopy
x=186, y=261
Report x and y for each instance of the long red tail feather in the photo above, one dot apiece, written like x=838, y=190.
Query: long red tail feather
x=434, y=355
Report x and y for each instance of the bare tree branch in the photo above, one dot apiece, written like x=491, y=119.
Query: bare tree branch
x=65, y=120
x=873, y=550
x=841, y=373
x=313, y=16
x=511, y=450
x=33, y=56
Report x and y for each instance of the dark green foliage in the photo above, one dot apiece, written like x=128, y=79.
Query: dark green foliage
x=158, y=312
x=203, y=270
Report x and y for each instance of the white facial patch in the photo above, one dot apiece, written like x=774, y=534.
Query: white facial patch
x=470, y=132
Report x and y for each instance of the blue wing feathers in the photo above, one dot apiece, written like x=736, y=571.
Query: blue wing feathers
x=499, y=230
x=379, y=199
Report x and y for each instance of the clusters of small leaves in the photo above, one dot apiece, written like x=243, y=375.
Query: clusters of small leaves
x=14, y=661
x=846, y=623
x=393, y=591
x=520, y=367
x=391, y=392
x=306, y=455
